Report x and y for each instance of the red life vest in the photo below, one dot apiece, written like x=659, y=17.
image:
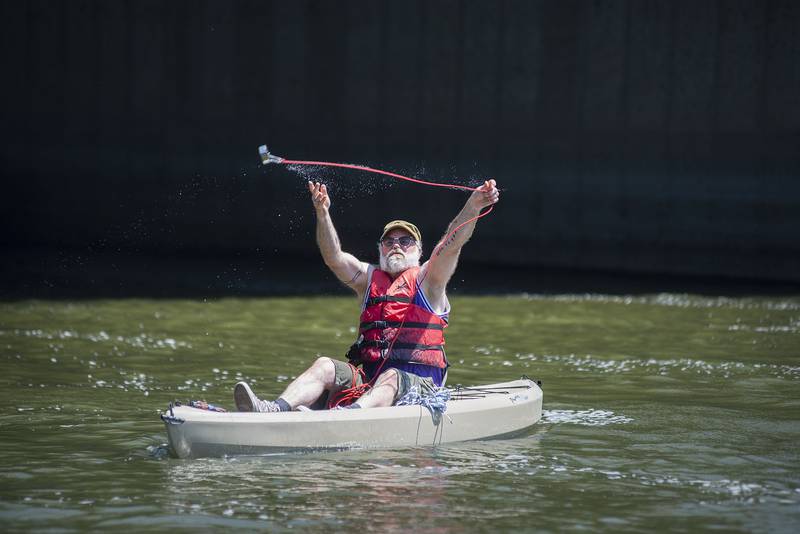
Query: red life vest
x=389, y=303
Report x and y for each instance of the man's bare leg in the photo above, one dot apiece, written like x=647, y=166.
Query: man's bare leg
x=383, y=392
x=307, y=388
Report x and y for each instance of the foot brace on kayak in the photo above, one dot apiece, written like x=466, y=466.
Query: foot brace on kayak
x=203, y=405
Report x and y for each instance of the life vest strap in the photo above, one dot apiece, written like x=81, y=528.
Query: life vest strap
x=396, y=324
x=387, y=298
x=383, y=344
x=417, y=346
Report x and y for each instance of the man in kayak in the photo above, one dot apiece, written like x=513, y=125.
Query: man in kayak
x=404, y=310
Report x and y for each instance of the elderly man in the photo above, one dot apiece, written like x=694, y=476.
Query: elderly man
x=404, y=310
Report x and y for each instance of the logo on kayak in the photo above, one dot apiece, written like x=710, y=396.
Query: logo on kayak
x=515, y=398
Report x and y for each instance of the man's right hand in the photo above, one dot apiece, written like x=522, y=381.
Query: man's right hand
x=319, y=196
x=345, y=266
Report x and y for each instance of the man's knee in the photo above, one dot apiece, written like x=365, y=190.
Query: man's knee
x=324, y=368
x=323, y=361
x=390, y=377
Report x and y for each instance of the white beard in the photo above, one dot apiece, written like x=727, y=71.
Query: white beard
x=395, y=264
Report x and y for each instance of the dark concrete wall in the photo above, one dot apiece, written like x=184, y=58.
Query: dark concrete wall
x=641, y=136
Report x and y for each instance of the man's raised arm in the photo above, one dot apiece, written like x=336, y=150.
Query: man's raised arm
x=347, y=268
x=442, y=264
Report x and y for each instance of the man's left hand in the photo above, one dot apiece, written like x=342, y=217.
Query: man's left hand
x=485, y=195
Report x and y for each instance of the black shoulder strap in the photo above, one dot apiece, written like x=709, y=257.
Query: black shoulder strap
x=386, y=298
x=396, y=324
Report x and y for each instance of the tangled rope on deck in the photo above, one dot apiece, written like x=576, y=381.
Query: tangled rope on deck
x=435, y=402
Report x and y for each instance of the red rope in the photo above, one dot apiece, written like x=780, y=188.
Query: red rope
x=376, y=171
x=349, y=395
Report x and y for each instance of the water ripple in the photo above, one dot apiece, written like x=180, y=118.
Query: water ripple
x=724, y=369
x=588, y=417
x=670, y=300
x=142, y=341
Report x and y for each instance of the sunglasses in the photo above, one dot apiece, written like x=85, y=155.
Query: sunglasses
x=404, y=241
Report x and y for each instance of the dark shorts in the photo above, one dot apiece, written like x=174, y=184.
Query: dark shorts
x=347, y=378
x=346, y=375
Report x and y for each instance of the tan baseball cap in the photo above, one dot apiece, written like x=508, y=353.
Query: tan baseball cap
x=404, y=225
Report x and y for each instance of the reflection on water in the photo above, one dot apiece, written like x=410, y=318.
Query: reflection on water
x=325, y=486
x=668, y=412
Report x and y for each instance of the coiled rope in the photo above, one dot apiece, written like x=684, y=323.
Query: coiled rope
x=435, y=401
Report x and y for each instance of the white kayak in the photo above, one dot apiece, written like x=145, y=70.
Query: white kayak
x=472, y=413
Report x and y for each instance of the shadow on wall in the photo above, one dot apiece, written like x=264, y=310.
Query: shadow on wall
x=644, y=137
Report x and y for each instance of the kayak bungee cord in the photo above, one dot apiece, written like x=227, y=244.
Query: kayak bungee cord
x=352, y=394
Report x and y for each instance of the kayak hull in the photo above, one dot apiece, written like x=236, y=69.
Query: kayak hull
x=472, y=413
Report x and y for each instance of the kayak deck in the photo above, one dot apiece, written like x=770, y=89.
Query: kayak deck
x=472, y=413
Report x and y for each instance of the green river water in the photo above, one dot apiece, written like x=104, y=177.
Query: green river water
x=661, y=412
